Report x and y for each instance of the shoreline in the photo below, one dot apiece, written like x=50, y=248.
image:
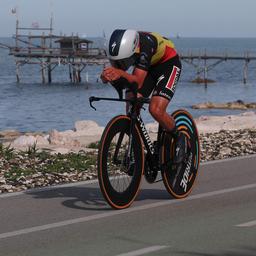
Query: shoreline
x=86, y=132
x=71, y=156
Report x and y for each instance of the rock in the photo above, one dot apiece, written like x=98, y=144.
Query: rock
x=235, y=105
x=68, y=133
x=251, y=105
x=226, y=151
x=60, y=151
x=200, y=80
x=25, y=141
x=231, y=122
x=36, y=175
x=239, y=104
x=249, y=113
x=58, y=138
x=42, y=140
x=9, y=133
x=203, y=118
x=87, y=128
x=6, y=188
x=2, y=181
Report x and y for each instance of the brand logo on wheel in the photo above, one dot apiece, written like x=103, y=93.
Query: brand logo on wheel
x=185, y=178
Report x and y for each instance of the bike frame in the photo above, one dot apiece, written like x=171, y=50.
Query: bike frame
x=152, y=150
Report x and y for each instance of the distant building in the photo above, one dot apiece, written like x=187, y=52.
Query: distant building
x=74, y=44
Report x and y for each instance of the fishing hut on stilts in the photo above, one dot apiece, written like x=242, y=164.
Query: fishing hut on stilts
x=50, y=51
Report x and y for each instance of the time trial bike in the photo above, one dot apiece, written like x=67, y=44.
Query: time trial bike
x=126, y=153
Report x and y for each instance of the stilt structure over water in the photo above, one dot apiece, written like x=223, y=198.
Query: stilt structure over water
x=202, y=67
x=50, y=51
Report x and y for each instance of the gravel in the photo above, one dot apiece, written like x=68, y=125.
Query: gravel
x=25, y=170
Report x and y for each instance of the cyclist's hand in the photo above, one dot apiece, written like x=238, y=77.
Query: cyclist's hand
x=111, y=74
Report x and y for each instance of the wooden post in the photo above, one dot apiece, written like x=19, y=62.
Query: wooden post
x=49, y=68
x=245, y=71
x=29, y=43
x=70, y=71
x=79, y=75
x=205, y=74
x=205, y=69
x=87, y=77
x=74, y=73
x=17, y=32
x=43, y=71
x=17, y=71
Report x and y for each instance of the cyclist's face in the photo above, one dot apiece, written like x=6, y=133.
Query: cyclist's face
x=124, y=64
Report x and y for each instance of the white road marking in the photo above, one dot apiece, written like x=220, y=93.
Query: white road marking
x=247, y=224
x=237, y=158
x=144, y=251
x=81, y=183
x=129, y=210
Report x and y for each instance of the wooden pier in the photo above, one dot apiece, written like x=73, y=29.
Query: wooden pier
x=202, y=67
x=50, y=51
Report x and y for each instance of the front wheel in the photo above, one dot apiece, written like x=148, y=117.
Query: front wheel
x=180, y=178
x=120, y=162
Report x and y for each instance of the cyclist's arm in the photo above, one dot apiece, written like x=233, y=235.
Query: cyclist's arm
x=138, y=75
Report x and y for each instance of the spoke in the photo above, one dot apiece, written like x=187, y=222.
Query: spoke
x=118, y=166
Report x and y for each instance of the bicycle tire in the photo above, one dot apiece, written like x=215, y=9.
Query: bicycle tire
x=113, y=170
x=179, y=182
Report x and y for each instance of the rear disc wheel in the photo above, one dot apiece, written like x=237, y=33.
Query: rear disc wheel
x=180, y=178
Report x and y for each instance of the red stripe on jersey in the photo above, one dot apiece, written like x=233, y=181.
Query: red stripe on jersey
x=172, y=78
x=169, y=54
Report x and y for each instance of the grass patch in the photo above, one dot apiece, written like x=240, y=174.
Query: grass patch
x=15, y=164
x=94, y=145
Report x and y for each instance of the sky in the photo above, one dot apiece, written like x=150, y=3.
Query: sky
x=93, y=18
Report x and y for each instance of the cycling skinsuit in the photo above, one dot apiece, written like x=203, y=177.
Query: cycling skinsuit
x=158, y=56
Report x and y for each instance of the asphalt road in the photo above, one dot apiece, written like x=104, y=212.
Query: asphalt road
x=218, y=218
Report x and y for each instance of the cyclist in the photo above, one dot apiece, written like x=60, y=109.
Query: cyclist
x=156, y=71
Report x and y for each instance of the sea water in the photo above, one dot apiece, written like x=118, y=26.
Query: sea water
x=32, y=106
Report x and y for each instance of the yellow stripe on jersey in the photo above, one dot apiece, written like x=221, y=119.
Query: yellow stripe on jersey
x=161, y=46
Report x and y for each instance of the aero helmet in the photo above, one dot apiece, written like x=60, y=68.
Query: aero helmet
x=122, y=48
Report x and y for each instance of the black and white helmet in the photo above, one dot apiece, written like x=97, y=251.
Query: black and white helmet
x=122, y=48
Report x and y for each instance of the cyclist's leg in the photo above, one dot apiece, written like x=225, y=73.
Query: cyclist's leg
x=168, y=75
x=157, y=109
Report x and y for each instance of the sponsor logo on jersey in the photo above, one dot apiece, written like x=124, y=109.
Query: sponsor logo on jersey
x=164, y=95
x=159, y=79
x=173, y=79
